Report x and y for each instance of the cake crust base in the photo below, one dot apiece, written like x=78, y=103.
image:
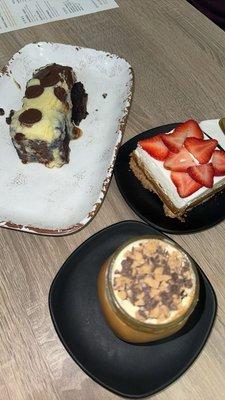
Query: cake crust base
x=148, y=182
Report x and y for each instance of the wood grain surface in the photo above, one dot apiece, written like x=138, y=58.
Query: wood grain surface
x=178, y=57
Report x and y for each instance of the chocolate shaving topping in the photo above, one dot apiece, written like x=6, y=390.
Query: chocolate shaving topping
x=30, y=116
x=153, y=280
x=60, y=93
x=34, y=91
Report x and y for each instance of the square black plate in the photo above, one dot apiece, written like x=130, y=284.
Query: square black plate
x=148, y=206
x=129, y=370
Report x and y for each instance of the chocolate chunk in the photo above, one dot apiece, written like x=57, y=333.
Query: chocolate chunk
x=34, y=91
x=77, y=132
x=30, y=116
x=2, y=112
x=126, y=267
x=104, y=95
x=9, y=118
x=166, y=298
x=166, y=269
x=150, y=303
x=49, y=76
x=50, y=80
x=60, y=93
x=79, y=101
x=19, y=136
x=52, y=74
x=127, y=262
x=142, y=313
x=174, y=289
x=174, y=276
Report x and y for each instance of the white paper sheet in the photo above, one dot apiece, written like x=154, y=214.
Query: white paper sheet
x=18, y=14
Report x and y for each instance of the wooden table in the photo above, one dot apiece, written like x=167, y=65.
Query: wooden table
x=178, y=57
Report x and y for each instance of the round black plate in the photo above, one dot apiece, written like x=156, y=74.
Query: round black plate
x=129, y=370
x=149, y=207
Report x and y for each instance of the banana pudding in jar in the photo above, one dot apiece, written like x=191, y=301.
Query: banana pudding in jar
x=148, y=288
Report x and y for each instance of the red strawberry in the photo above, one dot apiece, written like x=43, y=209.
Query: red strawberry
x=202, y=174
x=191, y=128
x=184, y=183
x=218, y=162
x=175, y=140
x=155, y=147
x=202, y=150
x=179, y=162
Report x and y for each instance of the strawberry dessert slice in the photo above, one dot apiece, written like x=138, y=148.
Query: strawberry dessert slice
x=202, y=174
x=175, y=140
x=202, y=150
x=155, y=147
x=179, y=161
x=218, y=162
x=184, y=183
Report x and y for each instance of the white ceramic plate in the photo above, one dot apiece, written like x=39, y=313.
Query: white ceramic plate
x=60, y=201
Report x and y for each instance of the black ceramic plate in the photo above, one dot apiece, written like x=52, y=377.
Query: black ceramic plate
x=129, y=370
x=149, y=207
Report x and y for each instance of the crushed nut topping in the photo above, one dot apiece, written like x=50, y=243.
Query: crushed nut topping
x=154, y=279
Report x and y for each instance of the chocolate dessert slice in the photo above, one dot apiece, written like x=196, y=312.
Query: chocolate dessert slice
x=54, y=103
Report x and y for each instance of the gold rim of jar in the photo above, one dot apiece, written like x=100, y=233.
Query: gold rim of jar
x=128, y=318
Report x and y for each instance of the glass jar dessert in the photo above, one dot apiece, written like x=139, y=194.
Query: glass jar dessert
x=148, y=288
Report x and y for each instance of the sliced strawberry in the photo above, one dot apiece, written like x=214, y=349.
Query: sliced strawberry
x=184, y=183
x=218, y=162
x=202, y=150
x=179, y=162
x=202, y=174
x=155, y=147
x=191, y=128
x=175, y=140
